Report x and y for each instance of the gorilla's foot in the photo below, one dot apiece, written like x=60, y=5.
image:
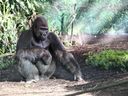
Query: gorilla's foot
x=32, y=81
x=43, y=77
x=78, y=77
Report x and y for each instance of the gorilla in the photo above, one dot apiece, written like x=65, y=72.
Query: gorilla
x=34, y=64
x=29, y=60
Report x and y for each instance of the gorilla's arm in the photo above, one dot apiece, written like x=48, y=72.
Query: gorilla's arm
x=55, y=43
x=60, y=55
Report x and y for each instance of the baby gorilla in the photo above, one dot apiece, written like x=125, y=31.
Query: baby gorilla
x=35, y=64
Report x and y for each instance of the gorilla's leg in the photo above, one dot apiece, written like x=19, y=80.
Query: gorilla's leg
x=62, y=73
x=28, y=71
x=45, y=71
x=50, y=70
x=70, y=64
x=42, y=69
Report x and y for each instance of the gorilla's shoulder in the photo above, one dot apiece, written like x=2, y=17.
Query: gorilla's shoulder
x=25, y=33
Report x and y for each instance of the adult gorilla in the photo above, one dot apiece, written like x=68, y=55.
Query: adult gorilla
x=39, y=37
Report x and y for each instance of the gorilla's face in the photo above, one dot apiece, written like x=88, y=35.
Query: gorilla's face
x=40, y=29
x=42, y=33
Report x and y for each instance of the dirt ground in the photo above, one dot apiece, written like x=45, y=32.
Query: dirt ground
x=11, y=84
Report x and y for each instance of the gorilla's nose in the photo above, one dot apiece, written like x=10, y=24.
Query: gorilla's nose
x=44, y=34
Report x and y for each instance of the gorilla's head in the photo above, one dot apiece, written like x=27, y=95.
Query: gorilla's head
x=40, y=28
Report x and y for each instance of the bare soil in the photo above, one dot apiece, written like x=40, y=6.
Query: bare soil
x=11, y=84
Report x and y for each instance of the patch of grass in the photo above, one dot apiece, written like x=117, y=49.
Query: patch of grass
x=109, y=60
x=5, y=62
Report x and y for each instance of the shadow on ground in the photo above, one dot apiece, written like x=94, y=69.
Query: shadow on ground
x=10, y=74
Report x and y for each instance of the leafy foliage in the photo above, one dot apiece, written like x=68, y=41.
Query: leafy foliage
x=5, y=62
x=88, y=16
x=109, y=60
x=64, y=17
x=14, y=16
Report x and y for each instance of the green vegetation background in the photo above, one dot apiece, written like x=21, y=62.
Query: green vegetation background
x=69, y=17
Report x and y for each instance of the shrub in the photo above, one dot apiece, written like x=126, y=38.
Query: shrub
x=14, y=16
x=5, y=62
x=109, y=60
